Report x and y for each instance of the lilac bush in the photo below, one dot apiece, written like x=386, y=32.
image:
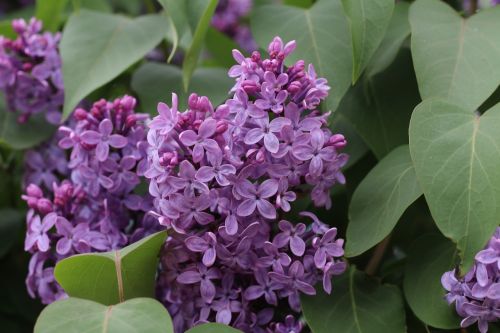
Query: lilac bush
x=30, y=71
x=81, y=190
x=477, y=294
x=223, y=180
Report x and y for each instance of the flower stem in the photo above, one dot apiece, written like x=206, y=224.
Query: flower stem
x=378, y=254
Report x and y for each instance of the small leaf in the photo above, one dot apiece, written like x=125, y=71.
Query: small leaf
x=429, y=258
x=11, y=222
x=368, y=21
x=397, y=32
x=358, y=304
x=322, y=35
x=50, y=13
x=380, y=200
x=380, y=107
x=155, y=83
x=97, y=47
x=80, y=315
x=193, y=52
x=213, y=328
x=22, y=136
x=455, y=59
x=112, y=277
x=456, y=157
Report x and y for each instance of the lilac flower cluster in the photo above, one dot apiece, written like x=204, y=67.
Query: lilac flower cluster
x=86, y=202
x=222, y=181
x=30, y=71
x=477, y=294
x=227, y=19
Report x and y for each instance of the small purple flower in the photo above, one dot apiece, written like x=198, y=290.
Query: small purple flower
x=255, y=198
x=218, y=171
x=265, y=287
x=168, y=117
x=291, y=235
x=37, y=232
x=205, y=245
x=326, y=246
x=203, y=276
x=103, y=139
x=266, y=130
x=202, y=141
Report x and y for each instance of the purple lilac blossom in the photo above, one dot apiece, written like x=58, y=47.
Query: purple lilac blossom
x=222, y=180
x=83, y=200
x=477, y=294
x=228, y=20
x=30, y=72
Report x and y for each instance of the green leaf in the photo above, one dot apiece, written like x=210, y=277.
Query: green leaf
x=380, y=107
x=322, y=35
x=397, y=32
x=50, y=13
x=380, y=200
x=6, y=29
x=112, y=277
x=456, y=157
x=358, y=304
x=213, y=328
x=455, y=59
x=193, y=52
x=97, y=47
x=155, y=83
x=11, y=222
x=80, y=315
x=220, y=47
x=429, y=257
x=368, y=21
x=356, y=147
x=22, y=136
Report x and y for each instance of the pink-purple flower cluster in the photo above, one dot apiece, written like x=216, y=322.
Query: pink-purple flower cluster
x=222, y=181
x=30, y=71
x=228, y=19
x=477, y=294
x=85, y=201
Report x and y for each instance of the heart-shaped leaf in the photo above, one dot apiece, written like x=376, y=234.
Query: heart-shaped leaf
x=155, y=83
x=322, y=35
x=358, y=304
x=97, y=47
x=455, y=59
x=50, y=13
x=80, y=315
x=368, y=21
x=213, y=328
x=429, y=257
x=25, y=135
x=380, y=200
x=397, y=32
x=380, y=107
x=112, y=277
x=456, y=156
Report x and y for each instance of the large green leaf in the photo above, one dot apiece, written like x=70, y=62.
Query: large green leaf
x=380, y=200
x=97, y=47
x=430, y=256
x=358, y=304
x=213, y=328
x=456, y=154
x=11, y=222
x=380, y=107
x=193, y=52
x=25, y=135
x=322, y=35
x=397, y=32
x=112, y=277
x=356, y=147
x=50, y=13
x=155, y=83
x=74, y=315
x=220, y=47
x=368, y=21
x=456, y=59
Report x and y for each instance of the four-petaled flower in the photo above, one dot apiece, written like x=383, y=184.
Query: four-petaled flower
x=255, y=197
x=103, y=139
